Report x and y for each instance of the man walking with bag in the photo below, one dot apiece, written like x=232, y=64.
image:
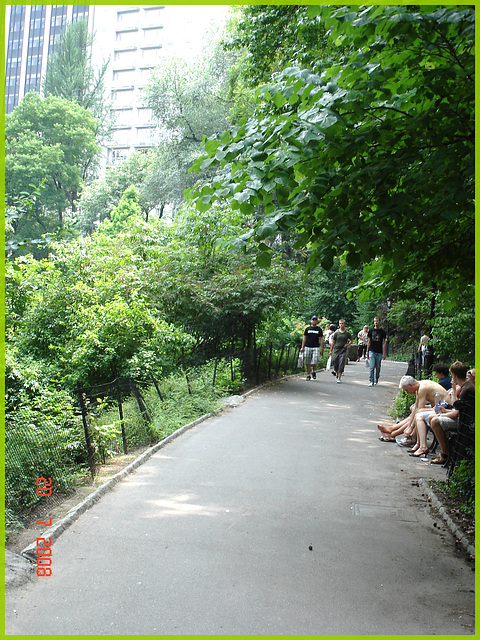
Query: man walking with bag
x=312, y=345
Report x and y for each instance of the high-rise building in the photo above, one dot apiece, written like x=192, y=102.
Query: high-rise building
x=31, y=32
x=134, y=38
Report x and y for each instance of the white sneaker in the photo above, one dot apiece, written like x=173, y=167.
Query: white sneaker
x=338, y=380
x=371, y=384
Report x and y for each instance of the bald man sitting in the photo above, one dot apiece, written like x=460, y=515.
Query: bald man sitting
x=425, y=391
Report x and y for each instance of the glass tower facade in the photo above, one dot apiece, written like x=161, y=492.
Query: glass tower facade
x=13, y=62
x=58, y=20
x=36, y=34
x=32, y=32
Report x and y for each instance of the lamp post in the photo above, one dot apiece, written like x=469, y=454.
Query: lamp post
x=389, y=306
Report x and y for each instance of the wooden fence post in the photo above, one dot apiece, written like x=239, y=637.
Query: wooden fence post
x=90, y=449
x=157, y=387
x=141, y=404
x=120, y=411
x=185, y=372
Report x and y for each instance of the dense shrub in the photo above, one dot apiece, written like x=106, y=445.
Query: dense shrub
x=461, y=487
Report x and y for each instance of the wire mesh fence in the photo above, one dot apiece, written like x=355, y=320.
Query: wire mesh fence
x=36, y=446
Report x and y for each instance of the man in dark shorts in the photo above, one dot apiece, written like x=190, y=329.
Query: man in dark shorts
x=312, y=345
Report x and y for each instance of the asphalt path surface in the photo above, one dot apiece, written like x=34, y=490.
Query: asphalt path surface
x=283, y=516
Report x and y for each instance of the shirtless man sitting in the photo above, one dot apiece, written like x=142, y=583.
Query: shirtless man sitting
x=425, y=392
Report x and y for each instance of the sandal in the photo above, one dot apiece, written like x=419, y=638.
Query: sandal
x=419, y=453
x=441, y=459
x=416, y=447
x=387, y=439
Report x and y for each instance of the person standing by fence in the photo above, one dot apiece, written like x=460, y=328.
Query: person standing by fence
x=312, y=345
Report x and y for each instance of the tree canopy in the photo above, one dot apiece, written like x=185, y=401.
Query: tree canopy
x=371, y=157
x=189, y=100
x=50, y=140
x=70, y=74
x=100, y=197
x=274, y=37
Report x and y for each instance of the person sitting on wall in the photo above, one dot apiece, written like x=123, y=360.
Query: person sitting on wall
x=441, y=372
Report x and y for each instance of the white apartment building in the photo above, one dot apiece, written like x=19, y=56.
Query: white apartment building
x=135, y=38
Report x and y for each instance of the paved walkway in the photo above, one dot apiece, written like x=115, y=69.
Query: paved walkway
x=283, y=516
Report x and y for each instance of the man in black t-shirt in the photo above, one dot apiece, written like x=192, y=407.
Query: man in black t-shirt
x=312, y=345
x=376, y=350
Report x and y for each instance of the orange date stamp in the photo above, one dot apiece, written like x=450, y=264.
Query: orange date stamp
x=43, y=550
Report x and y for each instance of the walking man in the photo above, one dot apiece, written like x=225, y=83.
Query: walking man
x=312, y=345
x=376, y=350
x=341, y=340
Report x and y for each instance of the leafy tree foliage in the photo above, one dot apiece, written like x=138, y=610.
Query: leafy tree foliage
x=189, y=101
x=18, y=208
x=325, y=293
x=121, y=215
x=453, y=334
x=70, y=74
x=186, y=96
x=52, y=140
x=274, y=37
x=102, y=304
x=99, y=198
x=370, y=158
x=86, y=318
x=220, y=296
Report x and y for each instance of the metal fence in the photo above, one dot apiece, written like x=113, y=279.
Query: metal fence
x=37, y=447
x=103, y=438
x=461, y=446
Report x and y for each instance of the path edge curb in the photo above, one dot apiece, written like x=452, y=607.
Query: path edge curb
x=454, y=529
